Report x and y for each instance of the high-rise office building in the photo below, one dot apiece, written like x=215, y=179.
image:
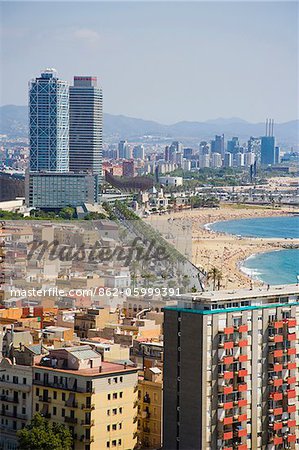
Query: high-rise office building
x=239, y=159
x=231, y=370
x=49, y=183
x=233, y=145
x=277, y=155
x=86, y=125
x=49, y=123
x=249, y=158
x=128, y=168
x=268, y=144
x=228, y=159
x=217, y=145
x=124, y=150
x=138, y=152
x=216, y=160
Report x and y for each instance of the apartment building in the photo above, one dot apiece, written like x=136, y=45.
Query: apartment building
x=97, y=400
x=15, y=401
x=231, y=370
x=150, y=408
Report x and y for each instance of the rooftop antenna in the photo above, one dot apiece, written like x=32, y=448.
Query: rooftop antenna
x=266, y=127
x=272, y=127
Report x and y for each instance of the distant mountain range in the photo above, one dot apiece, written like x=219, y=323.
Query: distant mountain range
x=14, y=123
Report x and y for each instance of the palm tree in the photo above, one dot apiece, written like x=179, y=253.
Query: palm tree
x=216, y=275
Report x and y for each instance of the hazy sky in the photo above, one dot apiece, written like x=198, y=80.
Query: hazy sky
x=161, y=61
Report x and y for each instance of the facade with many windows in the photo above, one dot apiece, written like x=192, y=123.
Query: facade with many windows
x=231, y=370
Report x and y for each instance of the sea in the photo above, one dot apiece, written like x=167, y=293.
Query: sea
x=275, y=267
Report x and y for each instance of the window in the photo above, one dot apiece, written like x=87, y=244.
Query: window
x=114, y=411
x=24, y=380
x=114, y=443
x=120, y=379
x=37, y=376
x=114, y=395
x=114, y=427
x=120, y=395
x=63, y=396
x=63, y=412
x=23, y=410
x=108, y=427
x=24, y=396
x=109, y=396
x=108, y=444
x=37, y=391
x=115, y=380
x=15, y=380
x=55, y=395
x=108, y=412
x=37, y=407
x=54, y=410
x=109, y=380
x=120, y=425
x=120, y=410
x=119, y=442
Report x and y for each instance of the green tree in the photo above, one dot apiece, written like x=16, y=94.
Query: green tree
x=67, y=213
x=40, y=434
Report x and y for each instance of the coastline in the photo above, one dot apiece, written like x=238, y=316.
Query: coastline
x=224, y=251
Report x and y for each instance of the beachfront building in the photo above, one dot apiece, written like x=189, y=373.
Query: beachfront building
x=96, y=400
x=231, y=370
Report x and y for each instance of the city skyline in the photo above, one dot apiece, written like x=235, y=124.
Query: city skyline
x=204, y=60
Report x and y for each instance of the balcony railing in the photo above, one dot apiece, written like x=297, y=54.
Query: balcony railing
x=69, y=419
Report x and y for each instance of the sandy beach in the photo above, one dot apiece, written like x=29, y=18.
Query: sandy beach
x=225, y=252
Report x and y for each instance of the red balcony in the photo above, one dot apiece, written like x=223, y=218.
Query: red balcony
x=291, y=423
x=242, y=418
x=277, y=382
x=278, y=353
x=291, y=365
x=291, y=408
x=228, y=375
x=228, y=435
x=228, y=345
x=228, y=405
x=242, y=447
x=276, y=396
x=291, y=393
x=277, y=426
x=228, y=359
x=278, y=338
x=291, y=438
x=277, y=367
x=242, y=432
x=228, y=420
x=243, y=343
x=228, y=390
x=229, y=330
x=291, y=380
x=277, y=411
x=291, y=351
x=291, y=323
x=278, y=324
x=242, y=402
x=292, y=337
x=243, y=358
x=243, y=373
x=228, y=448
x=242, y=387
x=278, y=440
x=243, y=328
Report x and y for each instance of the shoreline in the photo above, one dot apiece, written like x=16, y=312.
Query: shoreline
x=224, y=251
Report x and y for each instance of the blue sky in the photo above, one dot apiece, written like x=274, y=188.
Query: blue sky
x=160, y=60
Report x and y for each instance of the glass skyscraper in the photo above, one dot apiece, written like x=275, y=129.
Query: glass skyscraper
x=267, y=150
x=86, y=125
x=49, y=123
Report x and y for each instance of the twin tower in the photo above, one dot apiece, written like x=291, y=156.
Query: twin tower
x=65, y=132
